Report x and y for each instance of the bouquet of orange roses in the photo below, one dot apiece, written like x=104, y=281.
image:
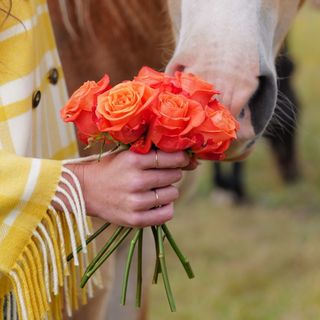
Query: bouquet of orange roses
x=153, y=111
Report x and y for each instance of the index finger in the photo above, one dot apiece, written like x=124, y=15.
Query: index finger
x=163, y=160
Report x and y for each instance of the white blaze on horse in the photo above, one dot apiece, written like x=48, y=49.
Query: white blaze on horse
x=233, y=44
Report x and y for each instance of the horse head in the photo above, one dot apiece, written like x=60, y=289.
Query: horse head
x=233, y=44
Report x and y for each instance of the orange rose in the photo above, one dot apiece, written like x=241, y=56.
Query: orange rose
x=175, y=117
x=157, y=80
x=83, y=99
x=216, y=133
x=79, y=107
x=124, y=110
x=195, y=88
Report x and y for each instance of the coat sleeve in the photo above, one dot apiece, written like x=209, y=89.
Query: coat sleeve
x=35, y=239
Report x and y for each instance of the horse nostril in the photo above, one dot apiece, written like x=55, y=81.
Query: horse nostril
x=241, y=114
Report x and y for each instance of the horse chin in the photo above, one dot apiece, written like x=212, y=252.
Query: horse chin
x=236, y=157
x=240, y=150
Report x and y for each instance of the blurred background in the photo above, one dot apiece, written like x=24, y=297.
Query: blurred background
x=261, y=260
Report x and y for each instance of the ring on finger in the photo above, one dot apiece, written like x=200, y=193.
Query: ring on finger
x=157, y=204
x=156, y=159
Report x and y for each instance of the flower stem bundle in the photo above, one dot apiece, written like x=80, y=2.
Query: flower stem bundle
x=117, y=239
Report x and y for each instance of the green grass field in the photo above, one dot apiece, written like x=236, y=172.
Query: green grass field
x=260, y=262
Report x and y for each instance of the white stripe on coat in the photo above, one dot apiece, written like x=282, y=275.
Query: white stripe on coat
x=23, y=87
x=28, y=190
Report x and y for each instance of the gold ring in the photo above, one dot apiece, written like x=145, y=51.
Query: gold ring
x=157, y=159
x=156, y=205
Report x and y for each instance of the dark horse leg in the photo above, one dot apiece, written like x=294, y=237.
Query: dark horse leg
x=232, y=181
x=281, y=134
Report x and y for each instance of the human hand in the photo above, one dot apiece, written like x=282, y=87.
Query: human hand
x=121, y=187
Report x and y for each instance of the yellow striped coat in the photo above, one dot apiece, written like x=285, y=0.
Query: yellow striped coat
x=34, y=239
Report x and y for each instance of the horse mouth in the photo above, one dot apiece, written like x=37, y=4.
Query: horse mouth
x=241, y=157
x=239, y=150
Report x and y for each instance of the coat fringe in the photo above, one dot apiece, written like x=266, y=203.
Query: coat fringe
x=42, y=285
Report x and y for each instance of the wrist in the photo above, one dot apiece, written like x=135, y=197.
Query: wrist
x=81, y=172
x=77, y=171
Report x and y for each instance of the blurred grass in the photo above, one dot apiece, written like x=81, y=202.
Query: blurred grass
x=260, y=262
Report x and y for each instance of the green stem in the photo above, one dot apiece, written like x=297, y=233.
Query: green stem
x=185, y=263
x=157, y=268
x=127, y=268
x=164, y=271
x=102, y=252
x=139, y=272
x=101, y=149
x=89, y=239
x=105, y=248
x=89, y=272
